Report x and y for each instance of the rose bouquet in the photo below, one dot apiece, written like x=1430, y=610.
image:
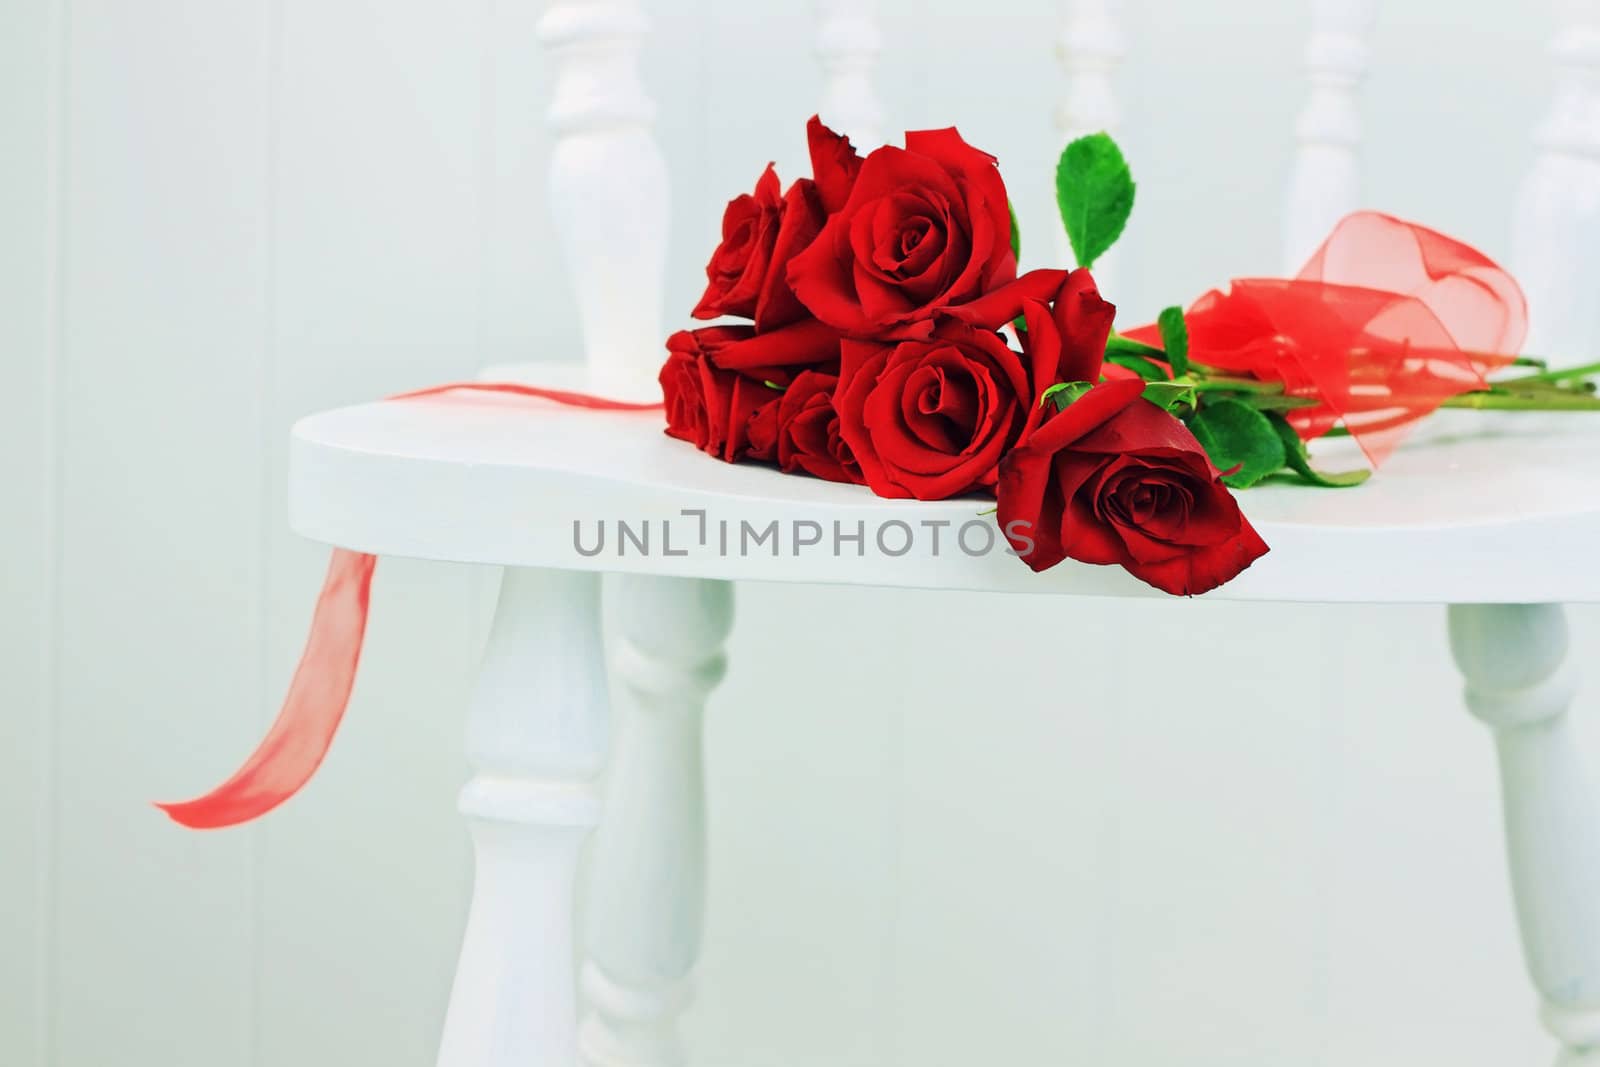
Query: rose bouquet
x=892, y=344
x=889, y=342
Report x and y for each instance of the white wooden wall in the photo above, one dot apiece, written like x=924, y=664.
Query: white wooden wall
x=216, y=215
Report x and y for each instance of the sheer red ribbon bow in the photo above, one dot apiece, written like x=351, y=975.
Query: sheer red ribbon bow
x=1386, y=322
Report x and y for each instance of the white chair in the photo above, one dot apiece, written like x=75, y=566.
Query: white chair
x=485, y=484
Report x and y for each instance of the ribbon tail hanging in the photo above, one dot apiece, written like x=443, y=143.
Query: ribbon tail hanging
x=299, y=739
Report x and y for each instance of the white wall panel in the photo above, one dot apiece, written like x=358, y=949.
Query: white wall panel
x=164, y=188
x=30, y=84
x=378, y=232
x=804, y=810
x=528, y=308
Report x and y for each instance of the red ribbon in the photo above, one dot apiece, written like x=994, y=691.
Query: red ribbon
x=293, y=749
x=1387, y=321
x=320, y=690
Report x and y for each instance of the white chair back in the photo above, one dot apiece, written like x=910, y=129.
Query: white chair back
x=1089, y=48
x=848, y=43
x=1325, y=181
x=1555, y=240
x=608, y=187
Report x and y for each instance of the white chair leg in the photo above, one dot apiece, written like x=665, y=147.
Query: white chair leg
x=1514, y=658
x=536, y=739
x=647, y=875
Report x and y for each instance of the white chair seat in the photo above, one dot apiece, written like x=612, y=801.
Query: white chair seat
x=1509, y=513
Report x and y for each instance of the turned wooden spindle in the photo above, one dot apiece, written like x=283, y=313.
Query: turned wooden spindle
x=1520, y=683
x=608, y=189
x=1089, y=49
x=1555, y=241
x=1325, y=184
x=647, y=877
x=536, y=740
x=848, y=43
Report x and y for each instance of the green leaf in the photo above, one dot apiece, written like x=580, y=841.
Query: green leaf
x=1299, y=462
x=1175, y=339
x=1064, y=393
x=1118, y=343
x=772, y=384
x=1240, y=440
x=1144, y=368
x=1094, y=190
x=1171, y=396
x=1016, y=231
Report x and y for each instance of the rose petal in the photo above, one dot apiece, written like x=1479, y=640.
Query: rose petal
x=1085, y=414
x=834, y=164
x=1205, y=568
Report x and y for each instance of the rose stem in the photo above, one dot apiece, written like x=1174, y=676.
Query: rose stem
x=1234, y=385
x=1565, y=375
x=1545, y=401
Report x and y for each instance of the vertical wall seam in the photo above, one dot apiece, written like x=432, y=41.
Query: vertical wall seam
x=46, y=938
x=898, y=779
x=488, y=12
x=265, y=377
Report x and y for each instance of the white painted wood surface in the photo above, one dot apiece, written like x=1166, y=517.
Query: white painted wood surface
x=646, y=891
x=489, y=479
x=1521, y=684
x=1089, y=50
x=1556, y=229
x=608, y=188
x=537, y=740
x=399, y=220
x=1326, y=183
x=848, y=43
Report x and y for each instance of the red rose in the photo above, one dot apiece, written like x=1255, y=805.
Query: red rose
x=925, y=227
x=1114, y=479
x=760, y=233
x=1066, y=339
x=931, y=418
x=776, y=356
x=807, y=434
x=739, y=265
x=762, y=431
x=710, y=408
x=834, y=164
